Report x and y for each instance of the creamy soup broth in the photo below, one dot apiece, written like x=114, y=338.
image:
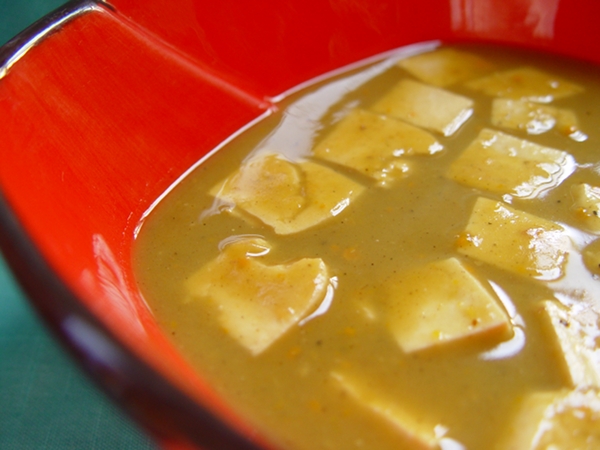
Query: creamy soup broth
x=345, y=373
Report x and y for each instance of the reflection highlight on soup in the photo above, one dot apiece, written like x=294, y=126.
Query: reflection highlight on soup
x=404, y=255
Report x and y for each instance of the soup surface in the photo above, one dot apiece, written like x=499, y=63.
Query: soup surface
x=403, y=255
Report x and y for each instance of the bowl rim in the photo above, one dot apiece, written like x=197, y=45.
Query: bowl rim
x=149, y=398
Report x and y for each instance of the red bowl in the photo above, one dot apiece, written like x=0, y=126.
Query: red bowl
x=103, y=106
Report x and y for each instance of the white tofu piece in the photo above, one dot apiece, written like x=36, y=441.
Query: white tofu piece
x=558, y=420
x=419, y=432
x=446, y=66
x=534, y=118
x=426, y=106
x=515, y=241
x=586, y=206
x=257, y=303
x=289, y=197
x=525, y=83
x=503, y=164
x=574, y=336
x=375, y=145
x=441, y=303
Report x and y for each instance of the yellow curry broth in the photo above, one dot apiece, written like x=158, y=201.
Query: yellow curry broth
x=337, y=378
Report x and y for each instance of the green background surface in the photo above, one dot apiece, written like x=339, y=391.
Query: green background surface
x=46, y=402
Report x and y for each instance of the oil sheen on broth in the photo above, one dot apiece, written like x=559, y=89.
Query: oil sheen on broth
x=405, y=255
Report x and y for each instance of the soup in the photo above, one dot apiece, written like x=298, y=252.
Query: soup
x=403, y=255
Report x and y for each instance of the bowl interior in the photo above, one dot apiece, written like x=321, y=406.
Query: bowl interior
x=134, y=95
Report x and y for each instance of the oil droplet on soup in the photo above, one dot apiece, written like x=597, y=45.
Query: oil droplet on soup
x=406, y=255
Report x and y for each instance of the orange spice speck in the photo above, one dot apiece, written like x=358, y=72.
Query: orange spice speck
x=351, y=254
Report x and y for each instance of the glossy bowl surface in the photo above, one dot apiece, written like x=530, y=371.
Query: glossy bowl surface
x=104, y=106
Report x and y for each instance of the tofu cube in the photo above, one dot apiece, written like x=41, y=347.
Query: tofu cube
x=446, y=66
x=515, y=241
x=289, y=197
x=257, y=303
x=503, y=164
x=375, y=145
x=573, y=334
x=418, y=432
x=426, y=106
x=440, y=303
x=534, y=118
x=525, y=83
x=559, y=420
x=586, y=205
